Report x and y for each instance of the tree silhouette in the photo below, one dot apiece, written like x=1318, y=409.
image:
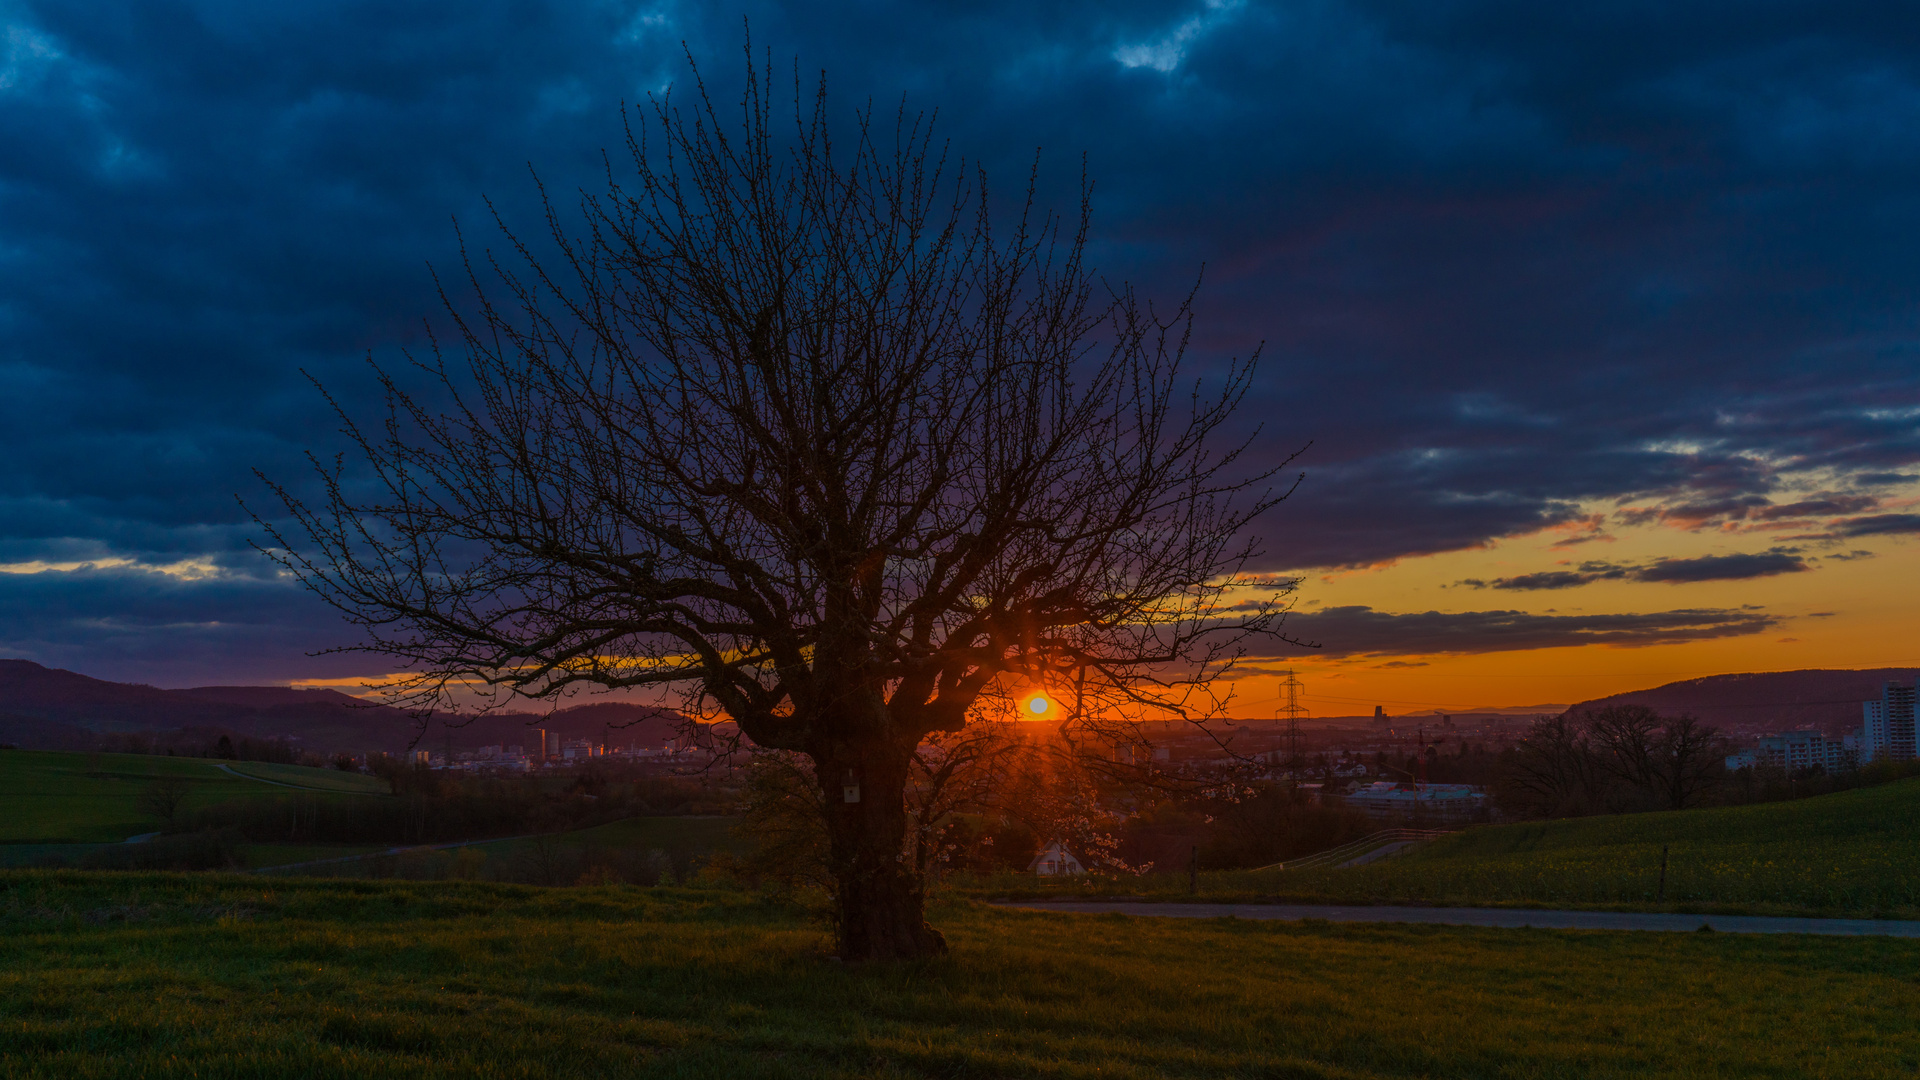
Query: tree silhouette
x=163, y=797
x=784, y=425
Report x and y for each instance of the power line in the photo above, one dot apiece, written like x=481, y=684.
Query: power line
x=1396, y=701
x=1609, y=675
x=1647, y=674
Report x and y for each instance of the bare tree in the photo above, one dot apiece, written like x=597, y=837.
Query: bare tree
x=1551, y=772
x=1666, y=761
x=786, y=425
x=1626, y=744
x=1690, y=761
x=163, y=797
x=1621, y=757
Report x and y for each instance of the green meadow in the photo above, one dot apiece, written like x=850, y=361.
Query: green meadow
x=128, y=974
x=66, y=808
x=311, y=779
x=1851, y=853
x=167, y=975
x=701, y=834
x=65, y=798
x=674, y=845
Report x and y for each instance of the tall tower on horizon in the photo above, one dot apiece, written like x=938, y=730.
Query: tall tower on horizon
x=1291, y=711
x=1888, y=728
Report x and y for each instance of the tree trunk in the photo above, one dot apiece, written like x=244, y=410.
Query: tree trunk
x=879, y=901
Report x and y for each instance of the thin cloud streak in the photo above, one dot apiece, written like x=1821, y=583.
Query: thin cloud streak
x=1359, y=630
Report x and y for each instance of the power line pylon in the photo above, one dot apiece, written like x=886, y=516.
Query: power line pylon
x=1291, y=710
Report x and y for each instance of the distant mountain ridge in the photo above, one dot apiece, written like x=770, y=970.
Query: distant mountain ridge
x=54, y=709
x=1820, y=699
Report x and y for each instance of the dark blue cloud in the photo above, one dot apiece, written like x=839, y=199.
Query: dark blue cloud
x=1362, y=631
x=1671, y=571
x=1545, y=579
x=1881, y=525
x=137, y=625
x=1722, y=568
x=1508, y=258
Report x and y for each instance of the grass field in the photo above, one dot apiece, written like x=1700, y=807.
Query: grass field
x=64, y=798
x=63, y=805
x=130, y=975
x=312, y=779
x=696, y=834
x=1852, y=853
x=256, y=856
x=650, y=846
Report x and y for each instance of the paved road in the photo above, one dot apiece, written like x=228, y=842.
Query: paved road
x=231, y=771
x=1511, y=917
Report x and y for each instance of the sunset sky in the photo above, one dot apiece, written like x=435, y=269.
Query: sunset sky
x=1599, y=317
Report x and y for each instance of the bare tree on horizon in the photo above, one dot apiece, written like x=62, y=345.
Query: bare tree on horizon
x=785, y=427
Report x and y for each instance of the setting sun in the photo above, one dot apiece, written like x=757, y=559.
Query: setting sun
x=1039, y=706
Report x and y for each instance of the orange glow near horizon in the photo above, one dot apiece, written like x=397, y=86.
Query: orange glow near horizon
x=1845, y=610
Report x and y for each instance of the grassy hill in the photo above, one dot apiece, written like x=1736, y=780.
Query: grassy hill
x=692, y=834
x=637, y=848
x=1851, y=853
x=65, y=806
x=45, y=708
x=161, y=976
x=1855, y=852
x=300, y=776
x=68, y=798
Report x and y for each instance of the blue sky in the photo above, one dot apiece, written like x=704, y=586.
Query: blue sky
x=1639, y=276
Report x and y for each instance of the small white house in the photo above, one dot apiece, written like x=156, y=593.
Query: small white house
x=1055, y=859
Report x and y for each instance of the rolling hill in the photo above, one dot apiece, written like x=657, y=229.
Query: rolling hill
x=1822, y=699
x=55, y=798
x=45, y=708
x=1849, y=853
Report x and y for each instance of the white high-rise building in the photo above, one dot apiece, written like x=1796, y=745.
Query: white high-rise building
x=1797, y=750
x=1888, y=731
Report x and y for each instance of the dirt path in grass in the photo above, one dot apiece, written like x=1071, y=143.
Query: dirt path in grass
x=1504, y=917
x=238, y=775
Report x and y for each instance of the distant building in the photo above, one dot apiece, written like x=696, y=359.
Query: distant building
x=1888, y=730
x=1386, y=799
x=1055, y=860
x=1797, y=750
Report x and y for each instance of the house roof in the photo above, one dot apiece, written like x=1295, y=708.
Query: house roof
x=1056, y=850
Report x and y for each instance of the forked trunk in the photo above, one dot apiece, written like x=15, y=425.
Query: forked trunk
x=879, y=901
